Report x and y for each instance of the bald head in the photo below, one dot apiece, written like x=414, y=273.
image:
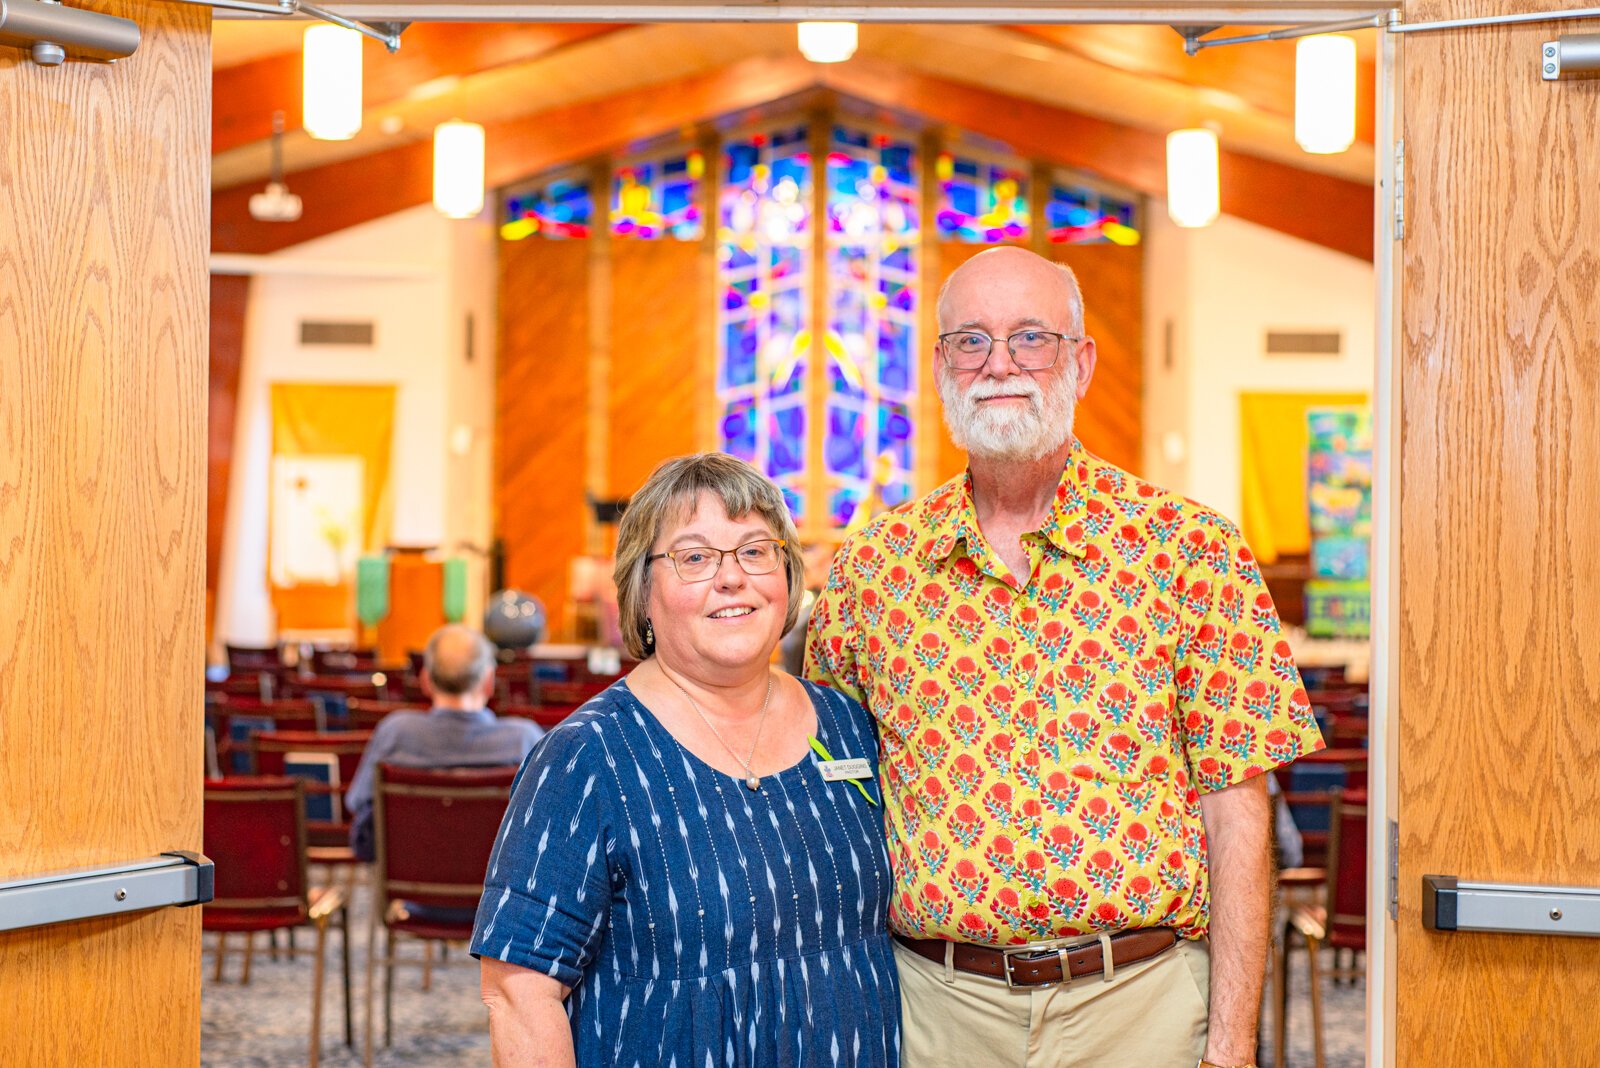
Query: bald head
x=1052, y=287
x=458, y=660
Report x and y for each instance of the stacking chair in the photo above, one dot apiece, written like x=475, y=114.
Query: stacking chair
x=364, y=713
x=328, y=841
x=434, y=831
x=255, y=834
x=1338, y=919
x=235, y=719
x=253, y=658
x=545, y=715
x=344, y=661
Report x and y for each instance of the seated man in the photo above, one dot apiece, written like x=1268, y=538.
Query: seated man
x=459, y=731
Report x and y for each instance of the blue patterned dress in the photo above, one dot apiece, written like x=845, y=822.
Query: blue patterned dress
x=700, y=924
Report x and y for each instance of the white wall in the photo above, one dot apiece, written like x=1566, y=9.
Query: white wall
x=1222, y=288
x=414, y=275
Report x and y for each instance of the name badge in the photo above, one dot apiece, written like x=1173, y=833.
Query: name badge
x=839, y=770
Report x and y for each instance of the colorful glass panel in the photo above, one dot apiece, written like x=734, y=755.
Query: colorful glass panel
x=873, y=238
x=1077, y=214
x=981, y=201
x=560, y=207
x=656, y=198
x=764, y=233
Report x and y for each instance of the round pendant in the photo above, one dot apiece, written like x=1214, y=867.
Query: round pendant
x=754, y=782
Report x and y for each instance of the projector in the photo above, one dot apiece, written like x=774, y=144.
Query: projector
x=277, y=204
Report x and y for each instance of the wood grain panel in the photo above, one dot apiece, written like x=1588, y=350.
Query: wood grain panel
x=652, y=405
x=230, y=296
x=1499, y=589
x=541, y=404
x=102, y=515
x=247, y=94
x=1110, y=420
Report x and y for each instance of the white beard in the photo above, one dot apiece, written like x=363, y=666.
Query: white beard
x=996, y=434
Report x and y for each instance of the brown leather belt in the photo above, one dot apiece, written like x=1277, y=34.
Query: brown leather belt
x=1043, y=963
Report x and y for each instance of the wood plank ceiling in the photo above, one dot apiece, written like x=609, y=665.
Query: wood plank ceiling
x=1098, y=97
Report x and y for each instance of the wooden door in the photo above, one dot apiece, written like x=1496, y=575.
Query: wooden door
x=103, y=238
x=1499, y=584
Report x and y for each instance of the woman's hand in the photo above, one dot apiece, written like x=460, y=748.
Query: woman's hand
x=527, y=1022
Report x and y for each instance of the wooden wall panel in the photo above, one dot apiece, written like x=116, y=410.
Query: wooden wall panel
x=1499, y=587
x=652, y=405
x=541, y=404
x=103, y=238
x=1109, y=421
x=230, y=295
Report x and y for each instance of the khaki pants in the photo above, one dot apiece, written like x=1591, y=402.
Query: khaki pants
x=1150, y=1015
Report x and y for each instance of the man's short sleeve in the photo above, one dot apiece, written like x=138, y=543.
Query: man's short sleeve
x=830, y=643
x=547, y=895
x=1241, y=704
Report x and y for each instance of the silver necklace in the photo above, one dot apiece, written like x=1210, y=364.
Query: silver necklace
x=751, y=779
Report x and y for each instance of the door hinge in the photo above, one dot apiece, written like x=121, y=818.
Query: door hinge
x=1394, y=869
x=1400, y=189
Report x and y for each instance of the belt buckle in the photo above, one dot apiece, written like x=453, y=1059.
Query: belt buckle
x=1059, y=945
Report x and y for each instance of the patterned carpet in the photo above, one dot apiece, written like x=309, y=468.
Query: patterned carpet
x=267, y=1024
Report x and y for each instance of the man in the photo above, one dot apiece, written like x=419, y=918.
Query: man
x=1078, y=682
x=459, y=731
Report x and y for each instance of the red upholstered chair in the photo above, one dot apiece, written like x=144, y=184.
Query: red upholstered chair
x=545, y=715
x=328, y=842
x=253, y=658
x=1339, y=918
x=344, y=661
x=366, y=714
x=434, y=831
x=235, y=719
x=255, y=835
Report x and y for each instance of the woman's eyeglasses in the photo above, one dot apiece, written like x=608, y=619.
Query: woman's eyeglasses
x=697, y=563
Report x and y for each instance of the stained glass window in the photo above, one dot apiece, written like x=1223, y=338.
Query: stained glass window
x=560, y=206
x=658, y=197
x=764, y=233
x=873, y=249
x=982, y=199
x=1079, y=214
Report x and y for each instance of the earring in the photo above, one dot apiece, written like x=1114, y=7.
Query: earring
x=649, y=633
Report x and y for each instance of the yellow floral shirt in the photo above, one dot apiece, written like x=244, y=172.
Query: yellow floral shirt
x=1045, y=743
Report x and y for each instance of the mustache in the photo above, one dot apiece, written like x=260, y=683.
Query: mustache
x=1022, y=387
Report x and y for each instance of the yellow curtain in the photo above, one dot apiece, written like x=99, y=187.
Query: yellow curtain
x=1272, y=452
x=322, y=420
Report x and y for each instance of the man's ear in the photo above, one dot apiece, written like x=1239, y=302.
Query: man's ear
x=1088, y=357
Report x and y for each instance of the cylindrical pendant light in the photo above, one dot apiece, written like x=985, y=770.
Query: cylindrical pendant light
x=827, y=42
x=458, y=169
x=1193, y=189
x=331, y=83
x=1325, y=92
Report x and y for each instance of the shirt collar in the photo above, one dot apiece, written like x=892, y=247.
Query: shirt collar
x=954, y=518
x=475, y=713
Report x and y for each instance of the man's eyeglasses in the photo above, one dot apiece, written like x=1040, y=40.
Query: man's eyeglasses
x=1033, y=350
x=697, y=563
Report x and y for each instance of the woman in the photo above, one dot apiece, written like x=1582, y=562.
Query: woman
x=684, y=862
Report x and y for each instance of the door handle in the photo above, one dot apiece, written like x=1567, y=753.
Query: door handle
x=1451, y=904
x=175, y=878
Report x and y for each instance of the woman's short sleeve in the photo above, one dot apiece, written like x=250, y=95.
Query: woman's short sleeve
x=547, y=894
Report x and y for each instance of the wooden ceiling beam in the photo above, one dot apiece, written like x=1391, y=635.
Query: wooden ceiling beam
x=354, y=191
x=1324, y=210
x=245, y=96
x=1260, y=74
x=1327, y=211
